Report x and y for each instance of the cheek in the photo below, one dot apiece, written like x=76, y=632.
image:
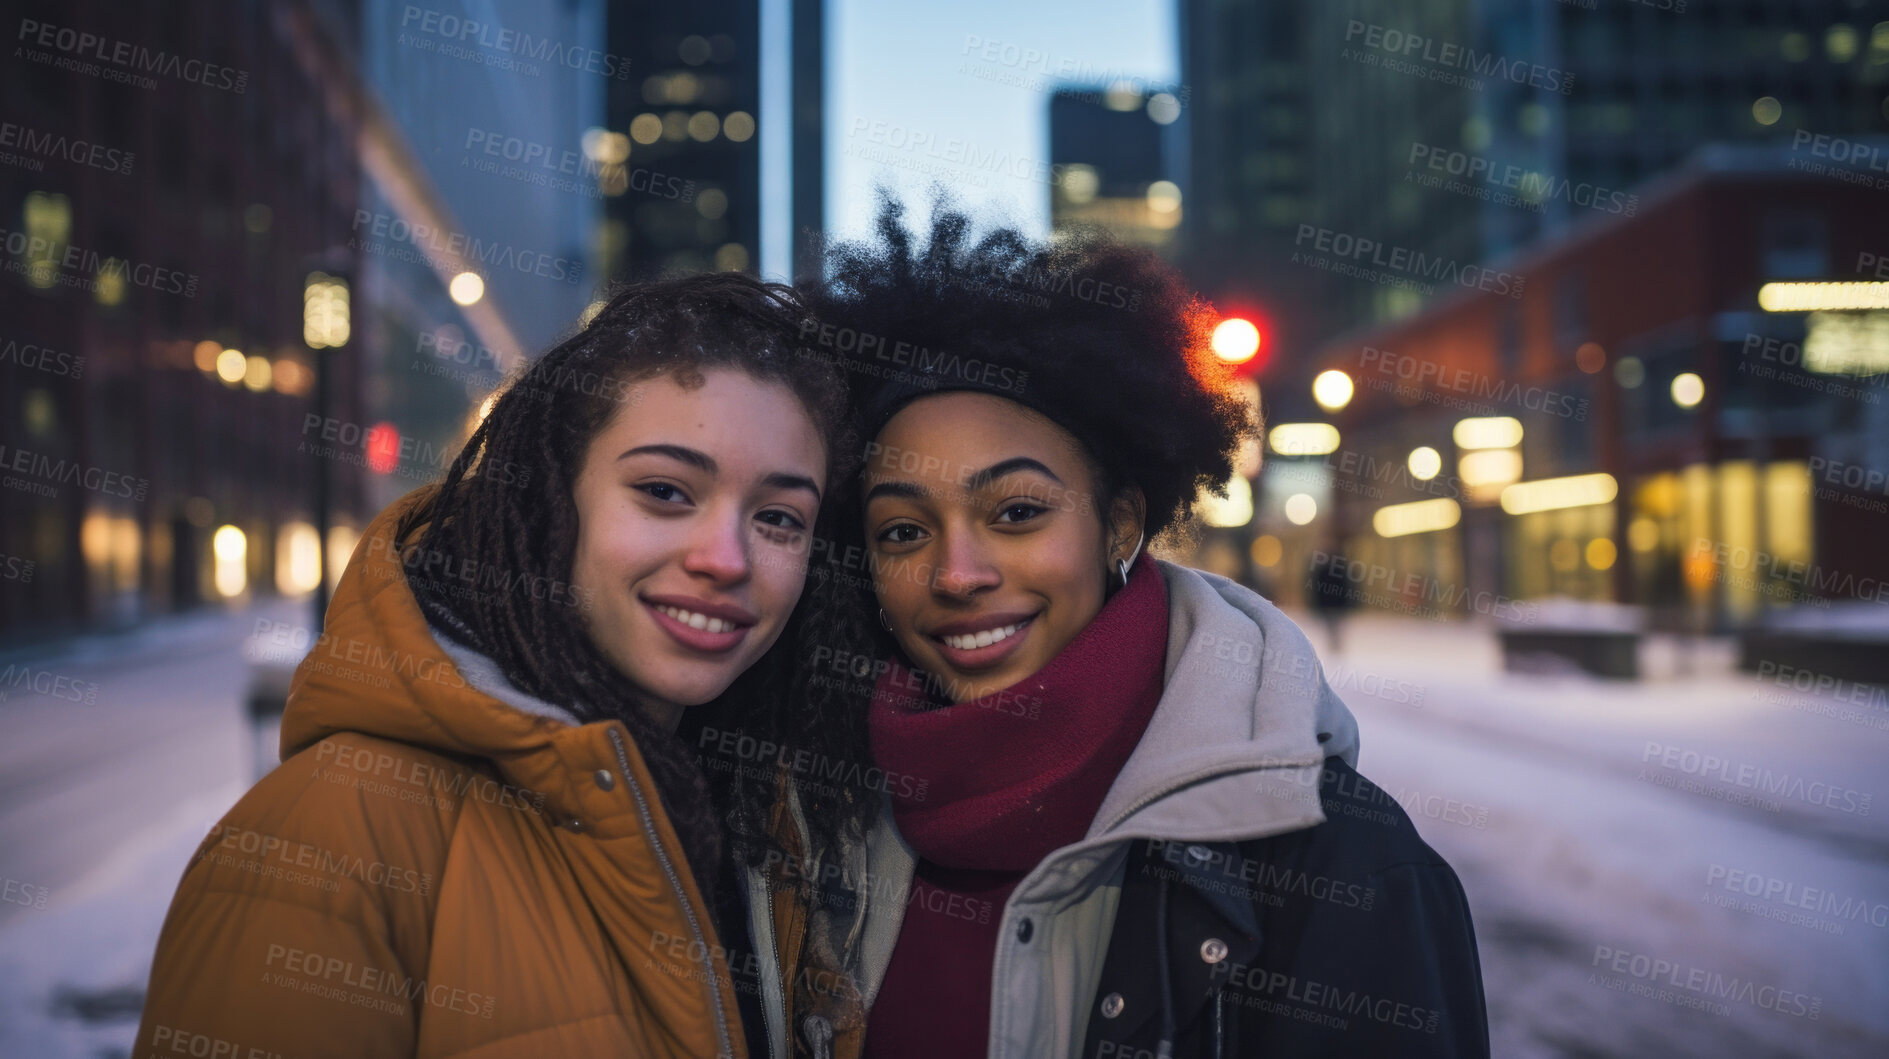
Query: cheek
x=1068, y=570
x=780, y=579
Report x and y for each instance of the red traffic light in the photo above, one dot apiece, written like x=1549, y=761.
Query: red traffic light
x=1236, y=340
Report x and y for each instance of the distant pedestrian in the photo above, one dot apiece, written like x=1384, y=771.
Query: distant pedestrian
x=1331, y=592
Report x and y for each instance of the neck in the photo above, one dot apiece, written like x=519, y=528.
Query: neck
x=667, y=715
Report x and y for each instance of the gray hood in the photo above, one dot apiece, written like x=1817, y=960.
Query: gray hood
x=1244, y=691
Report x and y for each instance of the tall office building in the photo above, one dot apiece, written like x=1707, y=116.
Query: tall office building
x=155, y=370
x=1461, y=131
x=1109, y=146
x=700, y=182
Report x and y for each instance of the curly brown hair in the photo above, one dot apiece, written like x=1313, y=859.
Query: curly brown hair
x=507, y=502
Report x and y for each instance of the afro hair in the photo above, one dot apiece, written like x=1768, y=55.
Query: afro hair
x=1103, y=339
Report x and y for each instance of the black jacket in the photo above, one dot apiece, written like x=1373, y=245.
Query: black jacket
x=1351, y=938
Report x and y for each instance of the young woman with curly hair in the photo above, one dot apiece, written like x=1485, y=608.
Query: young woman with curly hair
x=1138, y=829
x=486, y=837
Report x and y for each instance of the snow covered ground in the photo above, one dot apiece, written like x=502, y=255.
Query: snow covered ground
x=1696, y=864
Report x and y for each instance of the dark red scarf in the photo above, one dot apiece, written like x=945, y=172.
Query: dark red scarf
x=997, y=784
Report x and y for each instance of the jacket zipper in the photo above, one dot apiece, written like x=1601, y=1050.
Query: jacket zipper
x=669, y=869
x=774, y=943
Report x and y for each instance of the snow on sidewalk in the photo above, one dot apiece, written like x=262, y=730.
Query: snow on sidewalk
x=1633, y=897
x=83, y=961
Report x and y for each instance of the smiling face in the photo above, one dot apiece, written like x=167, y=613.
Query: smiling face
x=989, y=550
x=694, y=518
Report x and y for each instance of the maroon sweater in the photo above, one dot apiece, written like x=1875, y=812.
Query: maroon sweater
x=1009, y=779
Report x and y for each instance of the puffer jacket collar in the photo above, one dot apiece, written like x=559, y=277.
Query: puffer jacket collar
x=380, y=669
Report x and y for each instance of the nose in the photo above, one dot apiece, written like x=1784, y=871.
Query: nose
x=965, y=568
x=718, y=549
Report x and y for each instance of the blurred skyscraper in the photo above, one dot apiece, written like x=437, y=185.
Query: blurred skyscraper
x=493, y=166
x=702, y=166
x=1462, y=131
x=162, y=219
x=1111, y=153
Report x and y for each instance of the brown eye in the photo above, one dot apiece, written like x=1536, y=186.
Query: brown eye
x=903, y=533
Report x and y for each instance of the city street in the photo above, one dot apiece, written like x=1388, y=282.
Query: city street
x=1596, y=847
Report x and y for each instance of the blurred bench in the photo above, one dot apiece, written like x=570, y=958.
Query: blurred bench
x=1598, y=638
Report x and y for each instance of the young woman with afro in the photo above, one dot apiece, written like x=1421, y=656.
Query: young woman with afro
x=1128, y=819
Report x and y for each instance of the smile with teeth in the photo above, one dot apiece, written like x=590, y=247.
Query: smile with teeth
x=972, y=640
x=699, y=621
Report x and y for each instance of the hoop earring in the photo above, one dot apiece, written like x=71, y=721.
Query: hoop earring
x=882, y=620
x=1124, y=564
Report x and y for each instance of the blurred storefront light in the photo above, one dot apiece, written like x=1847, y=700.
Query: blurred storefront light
x=1164, y=202
x=297, y=559
x=230, y=547
x=110, y=286
x=1232, y=511
x=467, y=288
x=1425, y=462
x=1332, y=390
x=1846, y=343
x=326, y=323
x=1301, y=509
x=1490, y=432
x=1486, y=472
x=1303, y=439
x=1643, y=534
x=231, y=366
x=1688, y=389
x=1267, y=551
x=1801, y=297
x=1601, y=553
x=1553, y=494
x=257, y=374
x=341, y=541
x=1629, y=372
x=1080, y=183
x=1421, y=516
x=606, y=147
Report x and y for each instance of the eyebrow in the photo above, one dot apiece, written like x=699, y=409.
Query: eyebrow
x=680, y=453
x=1000, y=469
x=702, y=460
x=783, y=480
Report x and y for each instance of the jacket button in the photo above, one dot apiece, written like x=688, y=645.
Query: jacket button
x=1025, y=930
x=1213, y=950
x=1112, y=1005
x=604, y=779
